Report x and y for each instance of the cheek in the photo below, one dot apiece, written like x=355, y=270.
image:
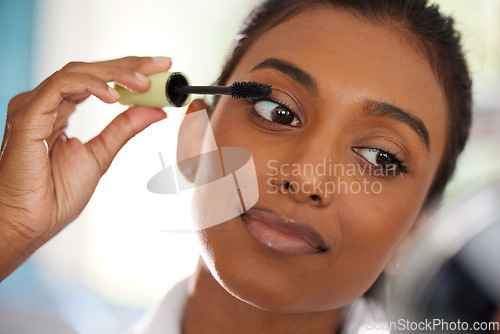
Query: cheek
x=227, y=123
x=372, y=231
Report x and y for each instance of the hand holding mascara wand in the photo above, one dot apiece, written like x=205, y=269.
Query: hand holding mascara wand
x=173, y=90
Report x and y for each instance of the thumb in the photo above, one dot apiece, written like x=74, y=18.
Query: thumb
x=106, y=145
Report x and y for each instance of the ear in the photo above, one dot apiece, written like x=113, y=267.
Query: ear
x=393, y=267
x=189, y=142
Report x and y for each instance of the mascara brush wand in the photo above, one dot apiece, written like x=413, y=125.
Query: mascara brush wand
x=173, y=90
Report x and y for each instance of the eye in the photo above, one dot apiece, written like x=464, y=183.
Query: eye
x=276, y=112
x=383, y=160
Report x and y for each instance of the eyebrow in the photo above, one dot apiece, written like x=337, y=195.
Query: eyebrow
x=372, y=108
x=382, y=109
x=291, y=70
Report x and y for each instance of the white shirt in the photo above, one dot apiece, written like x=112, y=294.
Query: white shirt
x=166, y=317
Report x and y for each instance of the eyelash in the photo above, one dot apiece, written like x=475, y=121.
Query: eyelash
x=402, y=168
x=252, y=113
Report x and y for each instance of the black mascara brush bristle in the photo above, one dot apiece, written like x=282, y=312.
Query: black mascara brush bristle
x=250, y=90
x=238, y=90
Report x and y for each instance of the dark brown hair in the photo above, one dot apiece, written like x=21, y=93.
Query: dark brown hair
x=440, y=44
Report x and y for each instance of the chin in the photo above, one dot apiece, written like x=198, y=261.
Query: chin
x=265, y=279
x=261, y=291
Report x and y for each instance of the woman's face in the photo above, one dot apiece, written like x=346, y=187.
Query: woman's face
x=345, y=155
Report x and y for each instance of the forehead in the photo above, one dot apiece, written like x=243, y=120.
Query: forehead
x=353, y=58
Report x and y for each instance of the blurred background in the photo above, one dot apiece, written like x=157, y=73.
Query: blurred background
x=102, y=271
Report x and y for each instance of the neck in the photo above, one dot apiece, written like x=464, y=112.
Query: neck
x=211, y=309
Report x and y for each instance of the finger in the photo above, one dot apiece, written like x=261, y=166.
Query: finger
x=64, y=111
x=23, y=99
x=37, y=118
x=142, y=65
x=54, y=137
x=14, y=105
x=129, y=72
x=125, y=76
x=105, y=146
x=145, y=65
x=19, y=101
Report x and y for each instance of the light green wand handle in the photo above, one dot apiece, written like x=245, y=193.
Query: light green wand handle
x=158, y=95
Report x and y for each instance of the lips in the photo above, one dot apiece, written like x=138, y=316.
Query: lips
x=282, y=234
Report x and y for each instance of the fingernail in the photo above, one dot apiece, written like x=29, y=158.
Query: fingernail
x=163, y=60
x=114, y=93
x=141, y=77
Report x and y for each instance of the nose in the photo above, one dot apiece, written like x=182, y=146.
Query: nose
x=305, y=174
x=294, y=190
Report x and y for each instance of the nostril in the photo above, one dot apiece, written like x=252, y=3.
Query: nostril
x=287, y=185
x=316, y=198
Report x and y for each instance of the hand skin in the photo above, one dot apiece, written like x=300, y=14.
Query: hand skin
x=46, y=179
